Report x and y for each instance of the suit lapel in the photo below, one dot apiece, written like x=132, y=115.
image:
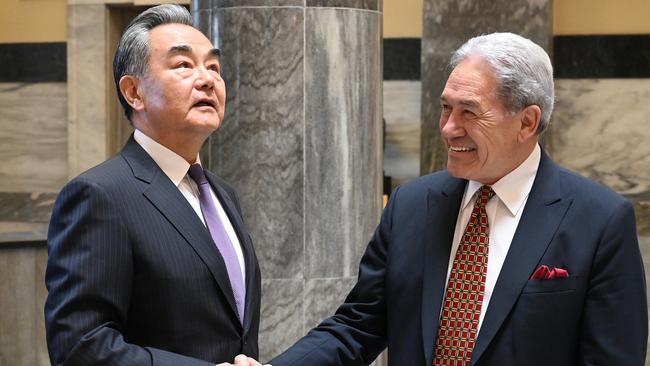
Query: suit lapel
x=442, y=211
x=542, y=215
x=166, y=197
x=247, y=247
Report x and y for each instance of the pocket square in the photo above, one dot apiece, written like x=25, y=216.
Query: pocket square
x=545, y=273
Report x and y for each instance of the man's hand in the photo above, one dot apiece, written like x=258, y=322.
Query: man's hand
x=243, y=360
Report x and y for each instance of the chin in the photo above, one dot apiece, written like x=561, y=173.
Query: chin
x=457, y=172
x=205, y=125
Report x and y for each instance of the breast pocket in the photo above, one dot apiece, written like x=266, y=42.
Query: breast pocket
x=547, y=313
x=565, y=284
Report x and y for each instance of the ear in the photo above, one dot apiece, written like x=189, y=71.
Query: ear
x=530, y=117
x=130, y=89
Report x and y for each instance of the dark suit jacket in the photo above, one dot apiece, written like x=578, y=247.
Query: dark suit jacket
x=597, y=316
x=134, y=277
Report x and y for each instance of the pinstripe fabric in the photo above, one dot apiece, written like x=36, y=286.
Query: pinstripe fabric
x=133, y=276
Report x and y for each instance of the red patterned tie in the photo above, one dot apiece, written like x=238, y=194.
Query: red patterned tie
x=462, y=307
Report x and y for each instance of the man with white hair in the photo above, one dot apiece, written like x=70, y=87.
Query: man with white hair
x=502, y=259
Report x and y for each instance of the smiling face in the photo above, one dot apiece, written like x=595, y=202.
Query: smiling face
x=182, y=96
x=484, y=140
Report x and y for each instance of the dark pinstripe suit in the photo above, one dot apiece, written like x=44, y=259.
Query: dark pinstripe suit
x=134, y=277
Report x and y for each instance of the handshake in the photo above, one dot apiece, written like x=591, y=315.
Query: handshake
x=242, y=360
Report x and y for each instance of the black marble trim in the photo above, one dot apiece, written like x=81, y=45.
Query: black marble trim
x=602, y=56
x=33, y=62
x=402, y=58
x=18, y=244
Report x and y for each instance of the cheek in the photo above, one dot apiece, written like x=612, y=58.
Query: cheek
x=221, y=92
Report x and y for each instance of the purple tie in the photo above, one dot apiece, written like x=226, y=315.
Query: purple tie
x=220, y=237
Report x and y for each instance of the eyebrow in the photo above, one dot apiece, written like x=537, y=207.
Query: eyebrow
x=466, y=102
x=183, y=48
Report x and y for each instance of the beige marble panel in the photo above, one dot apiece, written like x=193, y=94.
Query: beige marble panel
x=88, y=73
x=33, y=137
x=40, y=291
x=644, y=243
x=642, y=209
x=600, y=129
x=22, y=340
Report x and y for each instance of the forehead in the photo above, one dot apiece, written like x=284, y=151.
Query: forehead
x=163, y=37
x=473, y=77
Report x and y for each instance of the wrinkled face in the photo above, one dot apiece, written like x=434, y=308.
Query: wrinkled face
x=482, y=137
x=183, y=92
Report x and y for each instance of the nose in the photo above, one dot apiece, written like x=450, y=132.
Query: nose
x=451, y=126
x=204, y=79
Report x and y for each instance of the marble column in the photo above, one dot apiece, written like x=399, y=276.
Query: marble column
x=447, y=24
x=301, y=143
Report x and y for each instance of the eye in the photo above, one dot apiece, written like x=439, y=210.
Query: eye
x=469, y=113
x=214, y=67
x=183, y=65
x=446, y=108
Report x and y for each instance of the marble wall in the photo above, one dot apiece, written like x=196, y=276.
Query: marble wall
x=402, y=130
x=33, y=151
x=447, y=24
x=34, y=112
x=301, y=143
x=599, y=129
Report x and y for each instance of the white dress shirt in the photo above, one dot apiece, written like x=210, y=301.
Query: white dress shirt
x=175, y=167
x=504, y=212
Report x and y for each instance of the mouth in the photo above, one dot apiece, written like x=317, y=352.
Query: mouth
x=205, y=103
x=461, y=148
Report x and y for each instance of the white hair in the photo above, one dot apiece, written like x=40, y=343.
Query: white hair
x=523, y=70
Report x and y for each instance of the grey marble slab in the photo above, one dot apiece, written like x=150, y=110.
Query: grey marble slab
x=600, y=129
x=203, y=21
x=402, y=131
x=259, y=148
x=343, y=144
x=201, y=4
x=323, y=296
x=282, y=316
x=27, y=207
x=447, y=24
x=33, y=137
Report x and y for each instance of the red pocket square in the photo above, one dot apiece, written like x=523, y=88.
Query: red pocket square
x=545, y=273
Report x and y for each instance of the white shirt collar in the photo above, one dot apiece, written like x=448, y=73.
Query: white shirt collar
x=172, y=164
x=513, y=188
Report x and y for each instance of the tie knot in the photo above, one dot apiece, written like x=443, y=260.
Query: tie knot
x=485, y=193
x=196, y=173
